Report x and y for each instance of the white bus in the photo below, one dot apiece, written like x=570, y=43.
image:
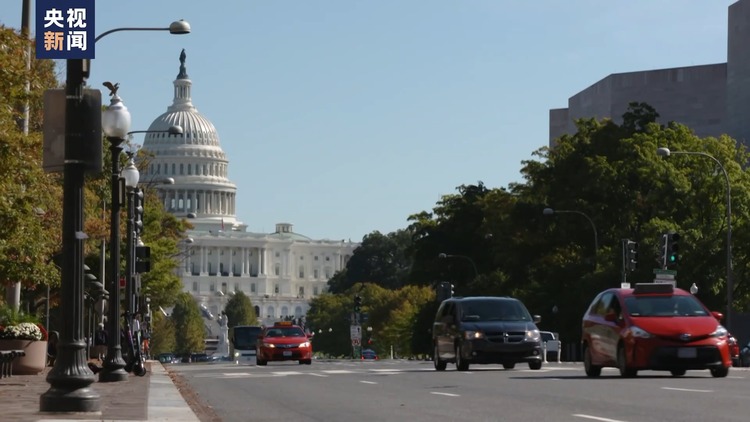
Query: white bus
x=242, y=342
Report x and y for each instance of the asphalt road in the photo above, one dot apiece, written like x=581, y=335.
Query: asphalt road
x=388, y=390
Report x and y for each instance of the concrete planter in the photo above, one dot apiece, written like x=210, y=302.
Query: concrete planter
x=36, y=355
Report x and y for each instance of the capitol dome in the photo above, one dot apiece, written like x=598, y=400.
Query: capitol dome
x=195, y=161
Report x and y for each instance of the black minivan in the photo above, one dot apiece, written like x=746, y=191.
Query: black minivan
x=485, y=329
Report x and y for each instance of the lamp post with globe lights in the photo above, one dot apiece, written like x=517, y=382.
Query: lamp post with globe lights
x=70, y=378
x=131, y=175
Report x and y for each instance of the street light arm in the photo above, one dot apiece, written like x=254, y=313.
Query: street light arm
x=593, y=226
x=730, y=272
x=176, y=27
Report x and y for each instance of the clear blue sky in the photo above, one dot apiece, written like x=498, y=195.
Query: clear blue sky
x=346, y=116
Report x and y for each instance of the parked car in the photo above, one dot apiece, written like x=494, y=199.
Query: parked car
x=369, y=354
x=653, y=326
x=168, y=358
x=734, y=349
x=483, y=330
x=744, y=359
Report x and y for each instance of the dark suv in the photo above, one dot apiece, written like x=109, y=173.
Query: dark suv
x=484, y=330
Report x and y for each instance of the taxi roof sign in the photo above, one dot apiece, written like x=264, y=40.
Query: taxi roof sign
x=645, y=288
x=283, y=324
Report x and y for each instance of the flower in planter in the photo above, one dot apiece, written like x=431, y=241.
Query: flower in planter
x=23, y=331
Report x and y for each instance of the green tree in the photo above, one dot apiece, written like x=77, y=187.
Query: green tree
x=163, y=334
x=30, y=218
x=188, y=324
x=240, y=310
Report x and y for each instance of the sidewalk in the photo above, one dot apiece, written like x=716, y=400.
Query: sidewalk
x=152, y=397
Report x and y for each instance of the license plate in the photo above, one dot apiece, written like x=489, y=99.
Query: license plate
x=287, y=353
x=687, y=352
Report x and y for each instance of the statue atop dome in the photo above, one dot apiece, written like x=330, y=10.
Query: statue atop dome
x=183, y=71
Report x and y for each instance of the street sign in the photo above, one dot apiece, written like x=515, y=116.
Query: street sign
x=355, y=332
x=355, y=342
x=659, y=271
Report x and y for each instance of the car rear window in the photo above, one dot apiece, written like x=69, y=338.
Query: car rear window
x=663, y=305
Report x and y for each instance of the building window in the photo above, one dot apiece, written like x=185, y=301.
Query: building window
x=315, y=290
x=301, y=272
x=315, y=273
x=302, y=258
x=276, y=289
x=316, y=257
x=236, y=287
x=252, y=288
x=328, y=258
x=212, y=287
x=301, y=291
x=277, y=269
x=195, y=286
x=224, y=288
x=277, y=255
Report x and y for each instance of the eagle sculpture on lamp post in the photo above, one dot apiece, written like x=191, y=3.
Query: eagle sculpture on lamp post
x=112, y=88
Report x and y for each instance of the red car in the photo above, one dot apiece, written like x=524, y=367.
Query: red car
x=283, y=341
x=653, y=326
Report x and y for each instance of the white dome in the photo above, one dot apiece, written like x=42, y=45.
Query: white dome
x=194, y=160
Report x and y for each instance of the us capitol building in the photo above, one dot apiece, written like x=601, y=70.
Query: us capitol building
x=279, y=271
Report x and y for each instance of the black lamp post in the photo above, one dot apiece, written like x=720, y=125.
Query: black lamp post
x=115, y=122
x=131, y=175
x=70, y=378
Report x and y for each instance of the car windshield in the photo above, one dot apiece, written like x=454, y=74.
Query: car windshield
x=667, y=306
x=494, y=310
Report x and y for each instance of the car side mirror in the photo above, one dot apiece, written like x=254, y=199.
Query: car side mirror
x=537, y=319
x=718, y=315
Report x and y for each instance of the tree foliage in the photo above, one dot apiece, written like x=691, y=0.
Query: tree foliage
x=188, y=325
x=240, y=310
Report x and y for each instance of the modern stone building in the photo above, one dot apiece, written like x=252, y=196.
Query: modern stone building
x=712, y=99
x=279, y=271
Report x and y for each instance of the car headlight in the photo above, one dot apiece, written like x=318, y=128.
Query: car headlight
x=270, y=345
x=639, y=332
x=236, y=354
x=305, y=344
x=720, y=332
x=532, y=335
x=473, y=335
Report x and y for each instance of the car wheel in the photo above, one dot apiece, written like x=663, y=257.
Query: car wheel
x=719, y=372
x=591, y=369
x=535, y=364
x=622, y=364
x=461, y=363
x=677, y=372
x=509, y=365
x=307, y=361
x=440, y=365
x=260, y=362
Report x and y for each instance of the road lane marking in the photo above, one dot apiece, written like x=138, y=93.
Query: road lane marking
x=318, y=375
x=368, y=382
x=444, y=394
x=687, y=389
x=337, y=371
x=596, y=418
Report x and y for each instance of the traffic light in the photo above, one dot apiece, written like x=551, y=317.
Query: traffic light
x=672, y=249
x=138, y=212
x=357, y=304
x=142, y=259
x=631, y=255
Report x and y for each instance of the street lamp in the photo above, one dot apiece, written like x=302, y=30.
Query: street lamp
x=70, y=379
x=550, y=211
x=665, y=152
x=471, y=261
x=131, y=175
x=115, y=124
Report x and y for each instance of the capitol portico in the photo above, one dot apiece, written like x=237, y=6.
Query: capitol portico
x=279, y=271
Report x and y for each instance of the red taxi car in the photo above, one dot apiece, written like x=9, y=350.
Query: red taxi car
x=283, y=341
x=653, y=326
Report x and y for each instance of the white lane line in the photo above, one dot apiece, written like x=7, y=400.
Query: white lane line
x=285, y=373
x=444, y=394
x=368, y=382
x=337, y=371
x=687, y=389
x=317, y=375
x=596, y=418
